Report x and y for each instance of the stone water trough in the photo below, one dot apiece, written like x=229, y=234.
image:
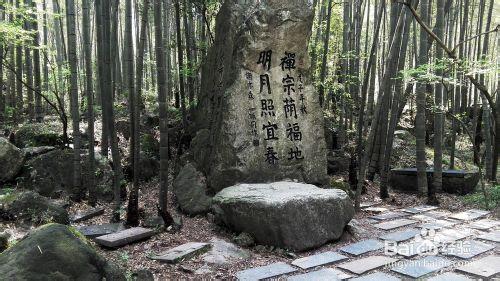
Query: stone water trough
x=454, y=181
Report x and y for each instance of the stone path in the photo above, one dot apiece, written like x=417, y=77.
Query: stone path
x=182, y=252
x=421, y=242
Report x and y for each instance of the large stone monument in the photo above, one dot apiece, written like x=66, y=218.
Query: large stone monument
x=258, y=115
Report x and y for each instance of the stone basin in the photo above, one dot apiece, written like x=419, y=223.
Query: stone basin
x=459, y=182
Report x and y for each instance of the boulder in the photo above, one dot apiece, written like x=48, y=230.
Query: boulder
x=190, y=190
x=4, y=241
x=31, y=207
x=39, y=134
x=55, y=252
x=51, y=175
x=283, y=214
x=11, y=160
x=258, y=110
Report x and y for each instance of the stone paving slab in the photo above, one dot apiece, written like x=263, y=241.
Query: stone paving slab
x=421, y=267
x=388, y=225
x=363, y=265
x=124, y=237
x=431, y=215
x=471, y=214
x=182, y=252
x=419, y=209
x=466, y=249
x=451, y=235
x=362, y=247
x=493, y=236
x=92, y=231
x=389, y=215
x=376, y=209
x=364, y=205
x=377, y=276
x=484, y=224
x=320, y=275
x=263, y=272
x=450, y=276
x=318, y=259
x=438, y=224
x=485, y=267
x=401, y=235
x=87, y=214
x=414, y=248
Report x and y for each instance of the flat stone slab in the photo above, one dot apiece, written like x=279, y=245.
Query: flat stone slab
x=388, y=225
x=485, y=267
x=363, y=265
x=182, y=252
x=419, y=209
x=362, y=247
x=124, y=237
x=376, y=209
x=263, y=272
x=422, y=267
x=471, y=214
x=320, y=275
x=414, y=248
x=431, y=215
x=491, y=236
x=377, y=276
x=401, y=235
x=364, y=205
x=318, y=259
x=451, y=235
x=389, y=215
x=484, y=224
x=96, y=230
x=450, y=276
x=466, y=249
x=437, y=224
x=87, y=214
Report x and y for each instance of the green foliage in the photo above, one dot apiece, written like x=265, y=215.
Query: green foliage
x=477, y=198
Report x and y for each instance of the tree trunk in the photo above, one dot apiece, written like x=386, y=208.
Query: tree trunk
x=180, y=62
x=325, y=55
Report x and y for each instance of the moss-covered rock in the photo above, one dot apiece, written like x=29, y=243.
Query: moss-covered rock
x=31, y=207
x=39, y=134
x=51, y=175
x=53, y=252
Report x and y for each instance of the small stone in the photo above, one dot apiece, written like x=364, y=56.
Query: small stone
x=183, y=252
x=450, y=276
x=263, y=272
x=318, y=259
x=389, y=216
x=485, y=267
x=362, y=247
x=320, y=275
x=491, y=236
x=4, y=241
x=143, y=275
x=466, y=249
x=87, y=214
x=419, y=209
x=394, y=224
x=421, y=267
x=470, y=215
x=402, y=235
x=377, y=276
x=361, y=266
x=244, y=240
x=124, y=237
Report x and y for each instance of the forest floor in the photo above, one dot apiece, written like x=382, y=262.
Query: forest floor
x=200, y=229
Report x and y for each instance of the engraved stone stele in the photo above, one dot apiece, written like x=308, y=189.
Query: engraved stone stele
x=258, y=117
